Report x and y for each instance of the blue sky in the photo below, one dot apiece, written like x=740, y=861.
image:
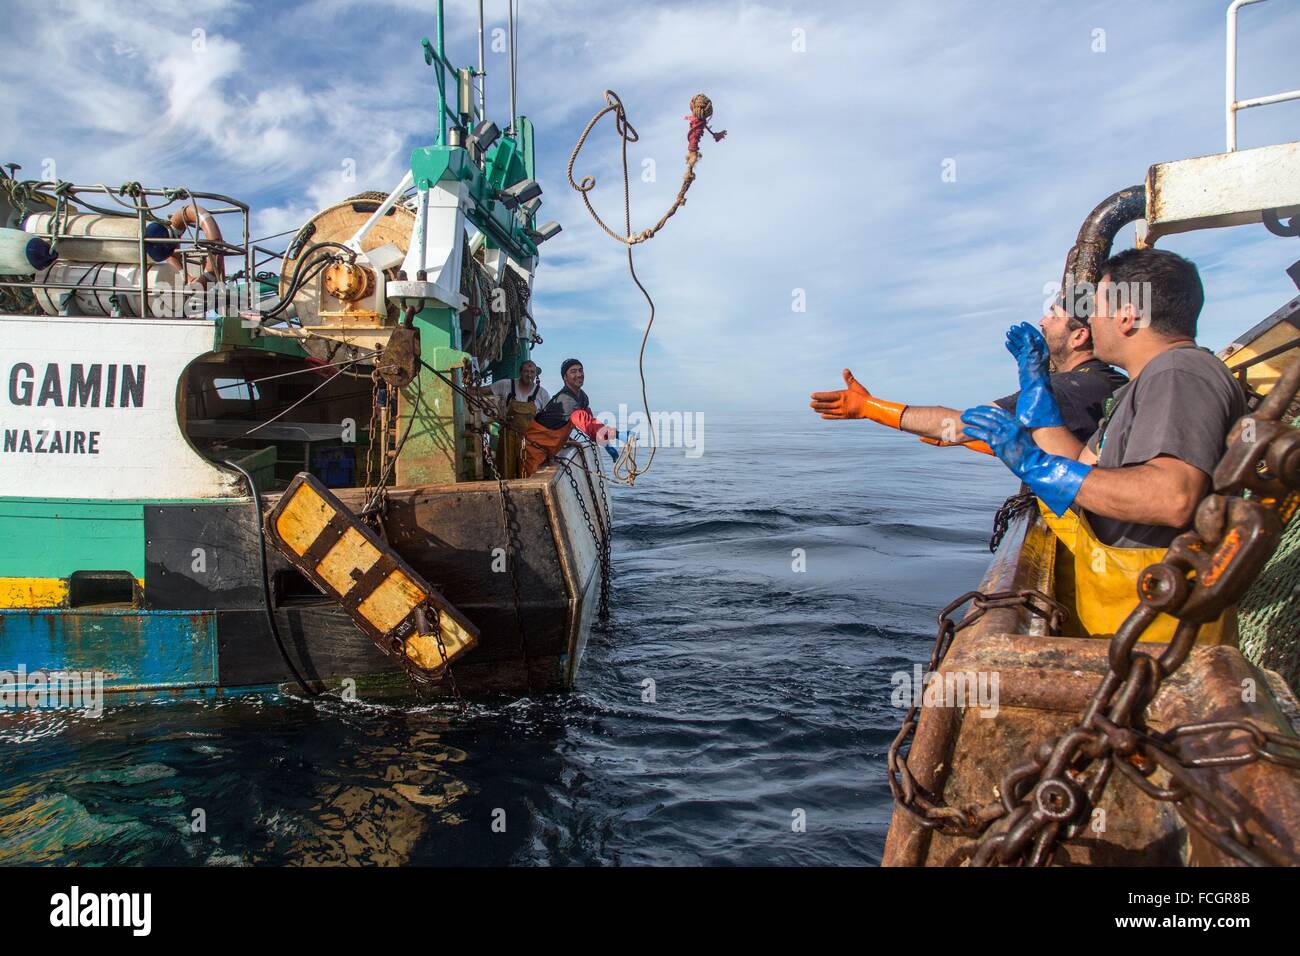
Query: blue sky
x=830, y=180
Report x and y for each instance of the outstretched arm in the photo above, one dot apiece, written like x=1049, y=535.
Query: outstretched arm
x=933, y=421
x=937, y=424
x=590, y=425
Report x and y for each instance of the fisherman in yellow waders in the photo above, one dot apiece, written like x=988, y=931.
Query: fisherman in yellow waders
x=522, y=399
x=1117, y=501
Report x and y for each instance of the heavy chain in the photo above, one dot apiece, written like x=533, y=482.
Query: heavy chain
x=510, y=524
x=603, y=520
x=509, y=520
x=927, y=808
x=600, y=537
x=1206, y=570
x=1049, y=798
x=1012, y=508
x=429, y=621
x=374, y=414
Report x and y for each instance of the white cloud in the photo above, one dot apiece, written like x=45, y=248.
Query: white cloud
x=829, y=180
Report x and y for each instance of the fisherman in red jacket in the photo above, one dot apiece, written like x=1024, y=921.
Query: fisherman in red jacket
x=568, y=409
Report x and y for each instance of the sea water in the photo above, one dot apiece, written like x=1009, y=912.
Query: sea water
x=736, y=710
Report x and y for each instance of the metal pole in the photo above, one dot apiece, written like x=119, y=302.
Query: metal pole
x=145, y=311
x=1230, y=91
x=482, y=77
x=442, y=100
x=510, y=6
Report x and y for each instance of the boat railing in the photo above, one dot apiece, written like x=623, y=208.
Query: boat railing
x=1232, y=104
x=147, y=205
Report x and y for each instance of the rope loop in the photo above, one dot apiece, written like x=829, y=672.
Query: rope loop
x=625, y=468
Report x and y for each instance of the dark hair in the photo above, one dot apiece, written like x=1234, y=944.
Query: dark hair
x=566, y=365
x=1073, y=324
x=1176, y=294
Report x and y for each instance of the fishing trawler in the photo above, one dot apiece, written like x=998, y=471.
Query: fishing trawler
x=281, y=476
x=1104, y=750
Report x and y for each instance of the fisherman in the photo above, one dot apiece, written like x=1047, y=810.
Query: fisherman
x=521, y=399
x=1080, y=382
x=1136, y=482
x=568, y=409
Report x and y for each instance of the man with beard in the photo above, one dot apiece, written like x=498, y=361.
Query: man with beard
x=1080, y=381
x=1119, y=499
x=568, y=409
x=521, y=400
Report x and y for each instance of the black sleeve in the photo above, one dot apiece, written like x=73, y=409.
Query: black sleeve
x=1077, y=408
x=1008, y=404
x=1082, y=401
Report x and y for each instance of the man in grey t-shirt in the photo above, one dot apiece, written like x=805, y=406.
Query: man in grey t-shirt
x=1141, y=477
x=1182, y=406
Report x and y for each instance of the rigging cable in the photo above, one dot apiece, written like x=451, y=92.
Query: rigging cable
x=266, y=580
x=290, y=408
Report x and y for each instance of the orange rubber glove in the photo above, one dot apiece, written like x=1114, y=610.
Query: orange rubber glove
x=856, y=402
x=974, y=445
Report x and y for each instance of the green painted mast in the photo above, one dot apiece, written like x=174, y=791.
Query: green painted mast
x=434, y=450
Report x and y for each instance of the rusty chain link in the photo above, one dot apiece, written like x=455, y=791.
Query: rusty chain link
x=1205, y=571
x=927, y=808
x=1048, y=799
x=600, y=530
x=1011, y=509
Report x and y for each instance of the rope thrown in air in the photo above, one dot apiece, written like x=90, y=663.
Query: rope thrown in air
x=625, y=469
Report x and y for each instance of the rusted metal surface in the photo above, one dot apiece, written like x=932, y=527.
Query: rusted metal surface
x=1092, y=247
x=391, y=603
x=448, y=534
x=400, y=362
x=1177, y=754
x=1025, y=561
x=1043, y=684
x=1225, y=189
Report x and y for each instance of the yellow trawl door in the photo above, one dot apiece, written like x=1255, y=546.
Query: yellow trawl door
x=396, y=608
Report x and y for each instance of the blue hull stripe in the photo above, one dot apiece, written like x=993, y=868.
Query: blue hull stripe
x=133, y=649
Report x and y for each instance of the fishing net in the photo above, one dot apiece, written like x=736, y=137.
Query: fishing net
x=1269, y=613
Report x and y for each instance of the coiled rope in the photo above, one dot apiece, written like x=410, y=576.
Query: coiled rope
x=625, y=469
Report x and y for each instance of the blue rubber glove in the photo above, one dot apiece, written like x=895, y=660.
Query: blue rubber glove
x=613, y=452
x=1053, y=478
x=1036, y=406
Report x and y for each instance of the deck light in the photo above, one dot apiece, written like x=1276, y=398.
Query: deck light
x=544, y=232
x=520, y=192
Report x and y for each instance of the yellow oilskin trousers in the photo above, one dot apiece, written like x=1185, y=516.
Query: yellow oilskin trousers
x=510, y=442
x=1099, y=585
